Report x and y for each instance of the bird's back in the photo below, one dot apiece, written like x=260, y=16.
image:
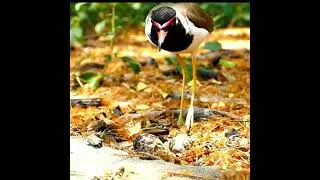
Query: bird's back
x=196, y=15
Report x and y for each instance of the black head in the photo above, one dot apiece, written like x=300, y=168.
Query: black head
x=163, y=14
x=167, y=32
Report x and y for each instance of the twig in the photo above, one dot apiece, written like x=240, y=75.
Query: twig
x=228, y=114
x=112, y=26
x=185, y=174
x=140, y=155
x=86, y=102
x=79, y=81
x=200, y=113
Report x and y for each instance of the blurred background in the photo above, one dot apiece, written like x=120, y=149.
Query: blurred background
x=109, y=20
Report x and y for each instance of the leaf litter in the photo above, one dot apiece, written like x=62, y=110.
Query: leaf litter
x=135, y=92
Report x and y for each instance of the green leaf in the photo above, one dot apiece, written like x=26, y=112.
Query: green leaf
x=76, y=32
x=100, y=27
x=93, y=80
x=246, y=16
x=93, y=7
x=83, y=16
x=213, y=46
x=189, y=71
x=171, y=60
x=226, y=64
x=136, y=6
x=76, y=35
x=207, y=73
x=228, y=9
x=132, y=64
x=108, y=58
x=78, y=5
x=87, y=76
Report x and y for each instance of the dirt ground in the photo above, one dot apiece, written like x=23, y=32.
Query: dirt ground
x=128, y=104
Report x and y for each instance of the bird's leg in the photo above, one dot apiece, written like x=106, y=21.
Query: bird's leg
x=184, y=70
x=190, y=115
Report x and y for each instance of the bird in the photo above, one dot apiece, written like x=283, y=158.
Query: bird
x=180, y=28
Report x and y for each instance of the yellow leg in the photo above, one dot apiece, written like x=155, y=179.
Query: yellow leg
x=190, y=115
x=183, y=67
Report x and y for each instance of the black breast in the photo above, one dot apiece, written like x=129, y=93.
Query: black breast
x=176, y=40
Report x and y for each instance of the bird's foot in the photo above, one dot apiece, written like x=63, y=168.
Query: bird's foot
x=190, y=117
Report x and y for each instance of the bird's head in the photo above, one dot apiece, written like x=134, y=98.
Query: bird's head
x=163, y=20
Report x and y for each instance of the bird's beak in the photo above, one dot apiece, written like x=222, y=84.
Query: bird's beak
x=161, y=36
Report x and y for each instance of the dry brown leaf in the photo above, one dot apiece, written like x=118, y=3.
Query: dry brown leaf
x=142, y=107
x=135, y=129
x=141, y=86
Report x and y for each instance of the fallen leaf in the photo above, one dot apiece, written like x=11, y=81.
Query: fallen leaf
x=227, y=64
x=148, y=90
x=141, y=86
x=135, y=129
x=190, y=83
x=215, y=81
x=163, y=94
x=213, y=46
x=221, y=104
x=142, y=107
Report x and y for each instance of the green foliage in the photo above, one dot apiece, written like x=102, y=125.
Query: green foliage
x=228, y=14
x=98, y=17
x=93, y=80
x=100, y=26
x=213, y=46
x=132, y=64
x=207, y=73
x=173, y=61
x=108, y=58
x=188, y=72
x=226, y=64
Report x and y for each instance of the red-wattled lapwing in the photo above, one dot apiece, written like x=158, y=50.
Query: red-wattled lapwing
x=179, y=28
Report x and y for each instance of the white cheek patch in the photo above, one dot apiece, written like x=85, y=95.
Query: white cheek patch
x=148, y=25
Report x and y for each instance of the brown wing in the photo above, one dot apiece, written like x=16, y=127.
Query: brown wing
x=198, y=17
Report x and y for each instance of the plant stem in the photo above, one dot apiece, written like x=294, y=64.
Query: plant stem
x=112, y=27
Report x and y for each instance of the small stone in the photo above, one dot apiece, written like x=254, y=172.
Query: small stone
x=117, y=111
x=233, y=132
x=180, y=143
x=94, y=141
x=147, y=143
x=125, y=144
x=233, y=141
x=199, y=162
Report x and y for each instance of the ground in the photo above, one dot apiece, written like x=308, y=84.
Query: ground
x=130, y=102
